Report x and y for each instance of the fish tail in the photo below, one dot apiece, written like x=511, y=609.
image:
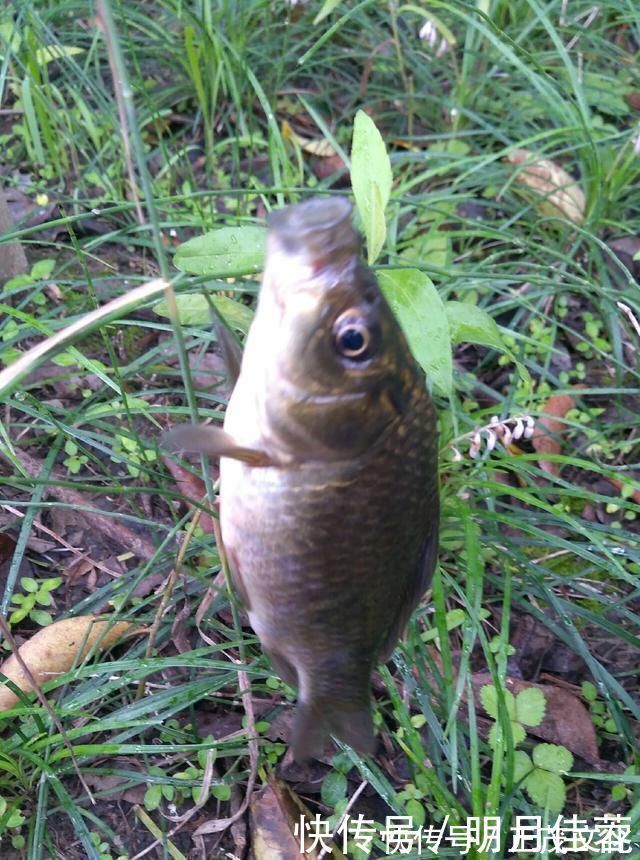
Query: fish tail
x=313, y=725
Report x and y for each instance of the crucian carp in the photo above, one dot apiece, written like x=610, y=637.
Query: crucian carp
x=328, y=475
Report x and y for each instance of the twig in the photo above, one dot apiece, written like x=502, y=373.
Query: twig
x=65, y=544
x=630, y=316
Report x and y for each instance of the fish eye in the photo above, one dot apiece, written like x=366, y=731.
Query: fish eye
x=352, y=337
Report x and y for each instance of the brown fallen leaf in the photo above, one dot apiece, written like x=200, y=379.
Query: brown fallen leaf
x=12, y=257
x=56, y=649
x=559, y=191
x=319, y=147
x=549, y=427
x=192, y=488
x=566, y=720
x=276, y=811
x=620, y=485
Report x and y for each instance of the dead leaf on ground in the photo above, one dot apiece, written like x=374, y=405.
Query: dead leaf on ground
x=12, y=257
x=276, y=811
x=323, y=168
x=319, y=147
x=192, y=488
x=78, y=568
x=113, y=787
x=621, y=485
x=560, y=193
x=549, y=427
x=566, y=720
x=55, y=649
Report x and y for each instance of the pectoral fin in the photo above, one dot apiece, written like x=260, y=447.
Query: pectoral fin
x=213, y=441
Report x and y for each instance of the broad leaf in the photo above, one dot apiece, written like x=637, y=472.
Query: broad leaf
x=530, y=706
x=421, y=313
x=371, y=181
x=193, y=309
x=224, y=253
x=518, y=734
x=522, y=765
x=470, y=324
x=546, y=790
x=553, y=757
x=334, y=788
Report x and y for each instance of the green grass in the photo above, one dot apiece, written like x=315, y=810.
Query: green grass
x=211, y=87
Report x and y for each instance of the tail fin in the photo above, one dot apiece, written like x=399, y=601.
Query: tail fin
x=314, y=724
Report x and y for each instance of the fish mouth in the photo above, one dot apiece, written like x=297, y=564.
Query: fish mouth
x=319, y=228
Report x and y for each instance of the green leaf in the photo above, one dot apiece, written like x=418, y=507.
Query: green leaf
x=221, y=792
x=530, y=706
x=470, y=324
x=589, y=691
x=152, y=797
x=518, y=734
x=327, y=8
x=342, y=762
x=416, y=812
x=42, y=269
x=51, y=584
x=421, y=313
x=432, y=249
x=553, y=757
x=227, y=252
x=41, y=617
x=29, y=584
x=16, y=819
x=522, y=765
x=619, y=792
x=371, y=181
x=211, y=753
x=606, y=95
x=489, y=699
x=194, y=310
x=546, y=790
x=55, y=52
x=334, y=788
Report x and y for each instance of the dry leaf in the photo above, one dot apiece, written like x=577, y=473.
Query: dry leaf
x=566, y=720
x=55, y=649
x=561, y=193
x=192, y=488
x=319, y=147
x=548, y=429
x=620, y=485
x=275, y=813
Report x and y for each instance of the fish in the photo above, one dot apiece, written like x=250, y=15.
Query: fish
x=329, y=495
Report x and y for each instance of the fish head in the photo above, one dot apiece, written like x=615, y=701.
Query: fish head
x=331, y=366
